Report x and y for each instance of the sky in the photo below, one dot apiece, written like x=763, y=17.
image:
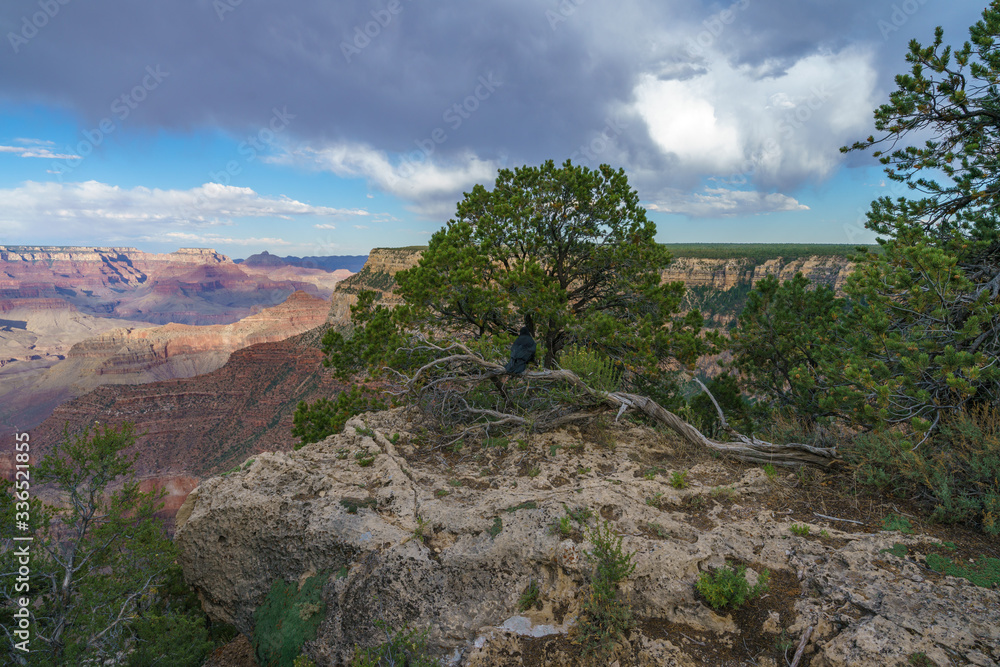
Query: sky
x=310, y=127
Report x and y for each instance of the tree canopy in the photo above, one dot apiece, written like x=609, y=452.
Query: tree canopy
x=101, y=565
x=567, y=251
x=927, y=312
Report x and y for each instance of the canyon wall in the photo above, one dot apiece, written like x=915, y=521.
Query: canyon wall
x=135, y=355
x=705, y=278
x=189, y=286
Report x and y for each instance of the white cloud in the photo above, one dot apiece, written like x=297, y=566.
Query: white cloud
x=432, y=188
x=778, y=126
x=720, y=202
x=212, y=239
x=92, y=202
x=56, y=212
x=36, y=151
x=325, y=226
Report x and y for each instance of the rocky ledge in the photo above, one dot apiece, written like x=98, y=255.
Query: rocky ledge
x=450, y=541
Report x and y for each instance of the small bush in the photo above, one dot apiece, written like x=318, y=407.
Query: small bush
x=902, y=524
x=957, y=470
x=606, y=617
x=495, y=529
x=678, y=479
x=801, y=530
x=315, y=421
x=561, y=527
x=723, y=492
x=985, y=572
x=288, y=617
x=726, y=587
x=526, y=505
x=597, y=370
x=770, y=471
x=405, y=647
x=898, y=550
x=529, y=598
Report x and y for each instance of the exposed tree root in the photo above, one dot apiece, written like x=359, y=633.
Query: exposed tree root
x=467, y=368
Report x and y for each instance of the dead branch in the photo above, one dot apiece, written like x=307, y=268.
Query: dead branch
x=742, y=447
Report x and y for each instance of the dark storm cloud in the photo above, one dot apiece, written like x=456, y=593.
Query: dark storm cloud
x=531, y=80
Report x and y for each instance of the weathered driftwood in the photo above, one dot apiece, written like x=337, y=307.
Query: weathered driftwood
x=742, y=447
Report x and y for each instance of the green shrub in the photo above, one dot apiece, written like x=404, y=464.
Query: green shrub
x=315, y=421
x=898, y=550
x=678, y=479
x=562, y=526
x=606, y=617
x=526, y=505
x=957, y=470
x=597, y=370
x=728, y=587
x=287, y=619
x=172, y=630
x=405, y=647
x=902, y=524
x=985, y=572
x=801, y=530
x=529, y=598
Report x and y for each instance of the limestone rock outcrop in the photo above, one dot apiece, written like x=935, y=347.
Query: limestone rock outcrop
x=449, y=543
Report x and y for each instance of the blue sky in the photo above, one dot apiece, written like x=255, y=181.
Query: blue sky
x=314, y=128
